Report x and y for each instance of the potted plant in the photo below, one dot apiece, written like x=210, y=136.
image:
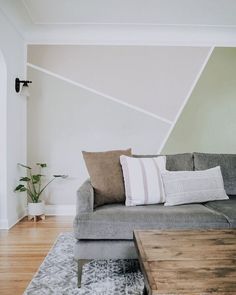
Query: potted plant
x=32, y=185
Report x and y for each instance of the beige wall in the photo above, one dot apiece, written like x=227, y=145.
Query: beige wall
x=208, y=122
x=155, y=79
x=98, y=98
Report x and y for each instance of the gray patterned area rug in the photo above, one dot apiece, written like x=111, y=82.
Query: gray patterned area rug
x=58, y=274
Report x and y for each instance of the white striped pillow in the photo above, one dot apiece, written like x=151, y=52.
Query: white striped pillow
x=142, y=178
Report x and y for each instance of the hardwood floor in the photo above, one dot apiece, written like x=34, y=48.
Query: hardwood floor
x=23, y=248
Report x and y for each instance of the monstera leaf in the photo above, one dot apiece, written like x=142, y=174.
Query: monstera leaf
x=33, y=182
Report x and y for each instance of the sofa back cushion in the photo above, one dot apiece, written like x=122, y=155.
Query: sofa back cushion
x=227, y=162
x=178, y=162
x=106, y=176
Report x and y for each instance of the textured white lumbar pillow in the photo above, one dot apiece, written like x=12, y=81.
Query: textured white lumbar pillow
x=142, y=178
x=183, y=187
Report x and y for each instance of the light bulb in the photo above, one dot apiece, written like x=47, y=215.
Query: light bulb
x=25, y=91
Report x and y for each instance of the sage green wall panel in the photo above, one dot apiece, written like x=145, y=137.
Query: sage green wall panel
x=208, y=121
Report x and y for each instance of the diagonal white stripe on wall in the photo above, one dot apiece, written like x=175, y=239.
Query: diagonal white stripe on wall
x=207, y=123
x=155, y=79
x=98, y=93
x=186, y=99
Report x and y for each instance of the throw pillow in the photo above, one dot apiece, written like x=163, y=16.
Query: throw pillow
x=106, y=176
x=183, y=187
x=142, y=178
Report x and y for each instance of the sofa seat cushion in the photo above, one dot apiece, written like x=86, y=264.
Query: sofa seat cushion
x=227, y=208
x=117, y=221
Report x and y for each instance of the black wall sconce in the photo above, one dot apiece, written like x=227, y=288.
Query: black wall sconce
x=25, y=88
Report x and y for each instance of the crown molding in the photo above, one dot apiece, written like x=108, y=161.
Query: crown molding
x=133, y=34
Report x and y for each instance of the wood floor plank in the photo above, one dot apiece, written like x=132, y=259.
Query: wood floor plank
x=24, y=247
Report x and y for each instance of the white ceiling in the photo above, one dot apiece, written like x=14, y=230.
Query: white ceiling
x=202, y=22
x=162, y=12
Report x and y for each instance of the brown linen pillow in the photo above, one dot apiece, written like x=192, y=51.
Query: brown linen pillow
x=106, y=176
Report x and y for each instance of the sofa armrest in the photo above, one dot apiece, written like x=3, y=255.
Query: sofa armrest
x=85, y=198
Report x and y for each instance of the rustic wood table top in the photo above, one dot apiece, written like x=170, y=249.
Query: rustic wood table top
x=189, y=262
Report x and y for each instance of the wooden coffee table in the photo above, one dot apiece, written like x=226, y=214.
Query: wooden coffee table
x=189, y=262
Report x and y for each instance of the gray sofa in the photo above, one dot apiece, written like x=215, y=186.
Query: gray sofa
x=106, y=232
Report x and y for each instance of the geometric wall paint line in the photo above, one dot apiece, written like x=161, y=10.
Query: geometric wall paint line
x=208, y=121
x=98, y=93
x=186, y=100
x=154, y=78
x=64, y=119
x=98, y=98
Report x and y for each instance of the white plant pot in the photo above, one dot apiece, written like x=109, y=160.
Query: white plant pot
x=36, y=209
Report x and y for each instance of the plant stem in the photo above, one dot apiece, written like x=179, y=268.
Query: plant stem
x=31, y=195
x=31, y=189
x=39, y=186
x=34, y=189
x=46, y=185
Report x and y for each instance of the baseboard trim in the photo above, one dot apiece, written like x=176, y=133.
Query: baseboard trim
x=68, y=210
x=58, y=210
x=3, y=224
x=8, y=224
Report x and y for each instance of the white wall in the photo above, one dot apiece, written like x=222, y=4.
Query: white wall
x=98, y=98
x=3, y=148
x=13, y=146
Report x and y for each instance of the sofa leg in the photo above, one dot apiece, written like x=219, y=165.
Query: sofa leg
x=81, y=263
x=145, y=292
